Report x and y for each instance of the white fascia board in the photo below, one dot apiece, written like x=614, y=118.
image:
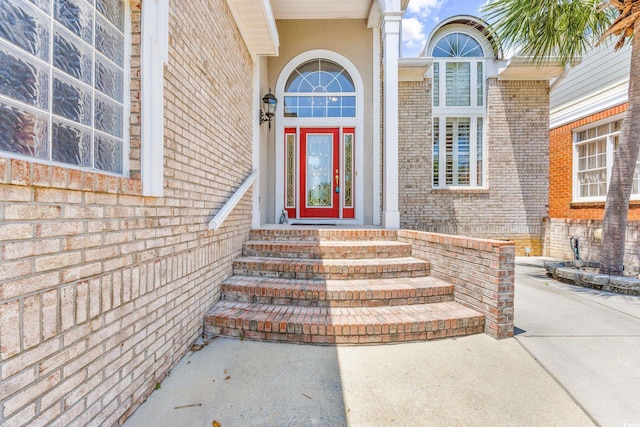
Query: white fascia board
x=257, y=25
x=589, y=105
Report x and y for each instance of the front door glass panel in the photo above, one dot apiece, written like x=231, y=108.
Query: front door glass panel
x=319, y=170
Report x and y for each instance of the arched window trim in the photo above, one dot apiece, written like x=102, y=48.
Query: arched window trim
x=445, y=37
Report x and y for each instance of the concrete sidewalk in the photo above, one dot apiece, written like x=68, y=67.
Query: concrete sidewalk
x=470, y=381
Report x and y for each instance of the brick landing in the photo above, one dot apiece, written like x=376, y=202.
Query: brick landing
x=336, y=287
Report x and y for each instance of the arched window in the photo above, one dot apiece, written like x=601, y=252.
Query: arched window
x=458, y=112
x=319, y=88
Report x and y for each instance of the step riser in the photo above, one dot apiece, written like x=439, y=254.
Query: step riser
x=353, y=334
x=347, y=302
x=324, y=234
x=327, y=252
x=324, y=275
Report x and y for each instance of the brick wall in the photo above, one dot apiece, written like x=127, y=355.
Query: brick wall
x=482, y=272
x=102, y=290
x=560, y=230
x=580, y=219
x=515, y=204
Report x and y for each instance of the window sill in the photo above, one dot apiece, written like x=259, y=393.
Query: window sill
x=597, y=205
x=460, y=190
x=26, y=173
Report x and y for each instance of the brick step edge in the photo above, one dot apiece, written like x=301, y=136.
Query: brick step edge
x=327, y=249
x=363, y=326
x=314, y=234
x=331, y=269
x=337, y=293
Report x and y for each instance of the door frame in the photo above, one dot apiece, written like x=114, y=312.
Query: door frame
x=357, y=123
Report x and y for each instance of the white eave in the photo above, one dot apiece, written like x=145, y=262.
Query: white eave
x=525, y=68
x=257, y=25
x=413, y=69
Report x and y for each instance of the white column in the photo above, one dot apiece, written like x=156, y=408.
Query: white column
x=391, y=53
x=255, y=212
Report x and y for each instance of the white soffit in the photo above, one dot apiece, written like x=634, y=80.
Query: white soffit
x=413, y=69
x=523, y=68
x=257, y=25
x=325, y=9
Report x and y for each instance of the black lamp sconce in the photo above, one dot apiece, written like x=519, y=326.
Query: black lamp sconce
x=269, y=104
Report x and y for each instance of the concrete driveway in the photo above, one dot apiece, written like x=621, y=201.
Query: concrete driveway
x=588, y=340
x=585, y=347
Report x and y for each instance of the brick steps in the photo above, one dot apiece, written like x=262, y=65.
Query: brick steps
x=337, y=293
x=327, y=249
x=330, y=268
x=335, y=286
x=335, y=325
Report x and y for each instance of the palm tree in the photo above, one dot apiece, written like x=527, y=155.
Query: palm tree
x=563, y=30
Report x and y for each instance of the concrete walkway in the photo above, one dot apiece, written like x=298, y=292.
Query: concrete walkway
x=583, y=338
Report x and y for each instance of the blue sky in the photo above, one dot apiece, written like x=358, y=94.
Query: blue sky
x=423, y=15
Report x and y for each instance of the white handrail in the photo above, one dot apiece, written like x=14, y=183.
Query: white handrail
x=224, y=212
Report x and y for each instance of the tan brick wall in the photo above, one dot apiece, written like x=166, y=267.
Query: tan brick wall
x=102, y=290
x=482, y=272
x=516, y=202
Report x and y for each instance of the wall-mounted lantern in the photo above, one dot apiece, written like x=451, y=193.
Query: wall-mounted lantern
x=269, y=104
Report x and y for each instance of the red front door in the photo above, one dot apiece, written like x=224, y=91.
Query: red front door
x=319, y=173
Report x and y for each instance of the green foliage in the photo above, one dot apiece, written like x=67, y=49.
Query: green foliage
x=549, y=29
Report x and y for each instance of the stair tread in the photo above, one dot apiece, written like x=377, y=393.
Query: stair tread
x=305, y=261
x=341, y=243
x=343, y=315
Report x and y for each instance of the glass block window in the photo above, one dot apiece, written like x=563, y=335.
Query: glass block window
x=320, y=88
x=63, y=82
x=594, y=151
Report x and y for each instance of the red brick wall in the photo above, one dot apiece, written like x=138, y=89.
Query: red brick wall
x=561, y=170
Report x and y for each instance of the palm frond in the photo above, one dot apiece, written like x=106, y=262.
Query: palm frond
x=545, y=29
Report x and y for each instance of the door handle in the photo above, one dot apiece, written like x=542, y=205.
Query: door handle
x=337, y=181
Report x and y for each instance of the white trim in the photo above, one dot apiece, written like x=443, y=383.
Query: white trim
x=155, y=30
x=320, y=122
x=255, y=212
x=377, y=98
x=257, y=25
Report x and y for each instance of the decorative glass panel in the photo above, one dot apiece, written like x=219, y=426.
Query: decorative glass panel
x=71, y=100
x=109, y=79
x=479, y=153
x=436, y=84
x=291, y=170
x=23, y=132
x=76, y=16
x=457, y=45
x=458, y=84
x=25, y=26
x=42, y=4
x=479, y=85
x=23, y=78
x=108, y=154
x=319, y=173
x=348, y=170
x=108, y=116
x=109, y=41
x=71, y=144
x=72, y=55
x=436, y=152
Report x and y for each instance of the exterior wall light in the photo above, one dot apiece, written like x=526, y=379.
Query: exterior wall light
x=269, y=104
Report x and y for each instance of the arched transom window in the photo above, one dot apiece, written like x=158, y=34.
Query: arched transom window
x=459, y=158
x=320, y=88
